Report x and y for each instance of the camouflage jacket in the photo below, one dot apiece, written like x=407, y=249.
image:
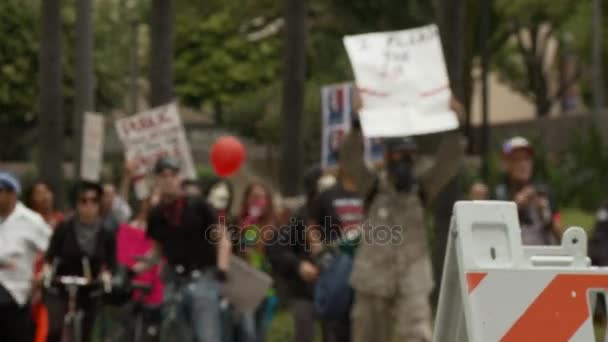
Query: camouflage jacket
x=394, y=232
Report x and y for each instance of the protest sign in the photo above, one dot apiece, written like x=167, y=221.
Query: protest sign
x=249, y=297
x=154, y=134
x=91, y=159
x=403, y=82
x=337, y=119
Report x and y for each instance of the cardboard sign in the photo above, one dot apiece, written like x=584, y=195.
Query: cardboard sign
x=337, y=119
x=93, y=132
x=151, y=135
x=246, y=287
x=403, y=82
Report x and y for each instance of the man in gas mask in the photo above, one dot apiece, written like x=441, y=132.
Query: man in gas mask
x=392, y=275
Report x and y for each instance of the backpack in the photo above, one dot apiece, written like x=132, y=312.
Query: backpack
x=333, y=296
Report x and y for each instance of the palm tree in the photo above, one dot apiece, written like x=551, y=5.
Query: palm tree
x=50, y=130
x=294, y=72
x=162, y=27
x=84, y=81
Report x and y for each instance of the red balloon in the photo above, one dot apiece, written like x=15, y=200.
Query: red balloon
x=227, y=155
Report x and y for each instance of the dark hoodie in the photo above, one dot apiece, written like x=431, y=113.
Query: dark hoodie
x=289, y=249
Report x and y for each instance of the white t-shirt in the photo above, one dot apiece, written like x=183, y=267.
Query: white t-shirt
x=23, y=235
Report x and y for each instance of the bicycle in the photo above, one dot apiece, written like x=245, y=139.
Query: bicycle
x=136, y=317
x=72, y=330
x=173, y=327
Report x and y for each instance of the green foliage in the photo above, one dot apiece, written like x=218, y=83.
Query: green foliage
x=529, y=65
x=215, y=62
x=256, y=115
x=19, y=45
x=575, y=217
x=205, y=174
x=18, y=70
x=578, y=175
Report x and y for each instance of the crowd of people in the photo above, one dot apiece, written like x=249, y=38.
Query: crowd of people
x=353, y=258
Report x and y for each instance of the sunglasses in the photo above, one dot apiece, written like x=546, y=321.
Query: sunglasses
x=88, y=200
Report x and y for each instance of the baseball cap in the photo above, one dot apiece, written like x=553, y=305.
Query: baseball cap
x=166, y=163
x=8, y=181
x=516, y=143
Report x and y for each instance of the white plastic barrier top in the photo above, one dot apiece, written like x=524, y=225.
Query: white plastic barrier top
x=495, y=289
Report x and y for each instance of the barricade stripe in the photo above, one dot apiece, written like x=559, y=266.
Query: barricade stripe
x=559, y=311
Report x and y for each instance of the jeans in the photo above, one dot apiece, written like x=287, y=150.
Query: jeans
x=251, y=327
x=195, y=300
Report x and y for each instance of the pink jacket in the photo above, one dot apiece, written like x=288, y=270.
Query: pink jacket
x=130, y=243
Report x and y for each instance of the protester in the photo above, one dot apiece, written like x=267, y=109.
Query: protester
x=257, y=221
x=131, y=243
x=291, y=259
x=80, y=246
x=114, y=206
x=538, y=215
x=185, y=232
x=392, y=274
x=23, y=235
x=335, y=212
x=219, y=195
x=40, y=199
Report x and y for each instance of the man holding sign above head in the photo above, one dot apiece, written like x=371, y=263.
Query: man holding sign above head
x=392, y=275
x=404, y=91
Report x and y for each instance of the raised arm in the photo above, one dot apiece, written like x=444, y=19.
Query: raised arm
x=224, y=249
x=448, y=160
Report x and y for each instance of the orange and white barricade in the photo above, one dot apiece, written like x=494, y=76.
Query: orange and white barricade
x=495, y=289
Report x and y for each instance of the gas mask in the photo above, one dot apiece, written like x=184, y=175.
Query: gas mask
x=401, y=173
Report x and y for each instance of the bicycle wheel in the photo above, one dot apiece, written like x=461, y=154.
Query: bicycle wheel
x=173, y=330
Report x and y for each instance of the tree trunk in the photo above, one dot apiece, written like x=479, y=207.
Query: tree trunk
x=294, y=72
x=133, y=67
x=50, y=130
x=598, y=82
x=451, y=15
x=84, y=82
x=452, y=26
x=161, y=60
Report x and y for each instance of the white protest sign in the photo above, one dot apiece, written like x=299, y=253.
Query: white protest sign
x=338, y=113
x=91, y=158
x=403, y=82
x=151, y=135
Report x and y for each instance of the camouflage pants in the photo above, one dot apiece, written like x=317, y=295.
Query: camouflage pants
x=405, y=317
